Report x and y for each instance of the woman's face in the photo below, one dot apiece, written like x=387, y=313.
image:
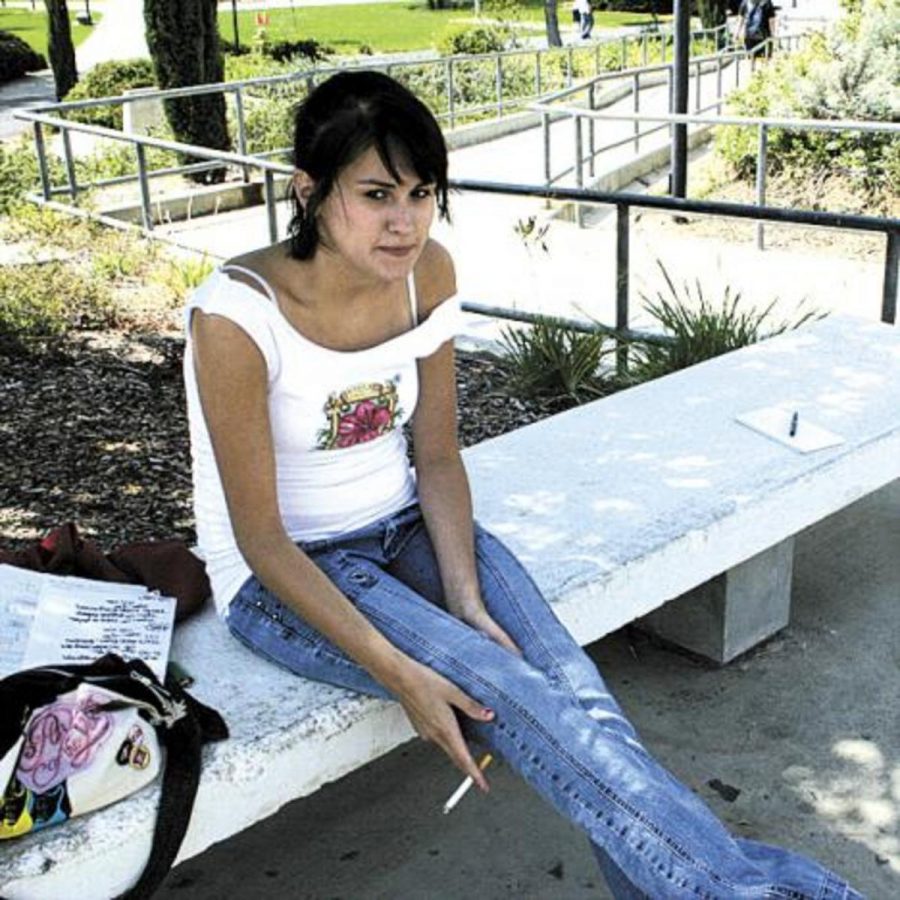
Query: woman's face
x=376, y=224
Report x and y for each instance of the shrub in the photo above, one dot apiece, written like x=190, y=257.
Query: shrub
x=109, y=79
x=17, y=58
x=285, y=51
x=19, y=172
x=700, y=330
x=44, y=301
x=474, y=39
x=553, y=361
x=182, y=276
x=852, y=73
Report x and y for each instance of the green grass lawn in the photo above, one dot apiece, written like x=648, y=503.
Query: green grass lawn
x=388, y=26
x=32, y=26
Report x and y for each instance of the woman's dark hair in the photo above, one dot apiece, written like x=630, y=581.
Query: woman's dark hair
x=341, y=119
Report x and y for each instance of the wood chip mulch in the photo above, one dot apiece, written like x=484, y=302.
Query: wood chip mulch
x=94, y=431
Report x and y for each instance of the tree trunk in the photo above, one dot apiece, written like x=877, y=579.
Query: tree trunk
x=551, y=17
x=183, y=38
x=60, y=48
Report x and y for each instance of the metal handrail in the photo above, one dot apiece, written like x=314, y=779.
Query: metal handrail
x=447, y=63
x=624, y=201
x=548, y=106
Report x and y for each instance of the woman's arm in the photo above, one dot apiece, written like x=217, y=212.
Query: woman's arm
x=231, y=378
x=442, y=484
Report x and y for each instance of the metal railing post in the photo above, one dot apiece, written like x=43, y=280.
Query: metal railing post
x=570, y=67
x=697, y=103
x=644, y=49
x=271, y=211
x=719, y=84
x=146, y=211
x=670, y=82
x=537, y=73
x=622, y=265
x=41, y=151
x=545, y=129
x=499, y=82
x=579, y=152
x=636, y=106
x=242, y=128
x=591, y=123
x=761, y=182
x=70, y=163
x=624, y=52
x=451, y=99
x=889, y=295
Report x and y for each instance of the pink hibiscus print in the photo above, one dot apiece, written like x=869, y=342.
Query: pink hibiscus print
x=365, y=422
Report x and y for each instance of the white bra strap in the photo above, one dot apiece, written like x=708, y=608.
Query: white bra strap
x=256, y=277
x=413, y=300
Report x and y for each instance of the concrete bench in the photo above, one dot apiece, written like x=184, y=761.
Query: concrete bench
x=616, y=507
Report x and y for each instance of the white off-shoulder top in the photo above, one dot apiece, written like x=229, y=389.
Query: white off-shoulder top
x=336, y=418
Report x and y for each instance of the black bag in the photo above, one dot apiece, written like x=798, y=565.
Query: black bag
x=110, y=716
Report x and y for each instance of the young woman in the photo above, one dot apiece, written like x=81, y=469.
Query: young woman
x=329, y=556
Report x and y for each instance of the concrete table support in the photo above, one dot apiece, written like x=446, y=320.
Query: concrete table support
x=732, y=612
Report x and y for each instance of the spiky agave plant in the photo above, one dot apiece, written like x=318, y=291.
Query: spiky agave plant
x=699, y=329
x=554, y=361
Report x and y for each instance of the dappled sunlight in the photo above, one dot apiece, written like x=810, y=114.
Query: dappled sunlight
x=832, y=402
x=858, y=798
x=539, y=503
x=853, y=378
x=614, y=504
x=687, y=483
x=530, y=538
x=692, y=462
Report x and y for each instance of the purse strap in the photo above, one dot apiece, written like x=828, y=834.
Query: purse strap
x=184, y=744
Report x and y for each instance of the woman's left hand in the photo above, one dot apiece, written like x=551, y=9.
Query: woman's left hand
x=477, y=616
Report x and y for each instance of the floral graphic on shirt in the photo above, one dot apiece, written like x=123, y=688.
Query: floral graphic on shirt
x=360, y=413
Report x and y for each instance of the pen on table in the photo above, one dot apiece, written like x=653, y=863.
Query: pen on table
x=468, y=781
x=795, y=418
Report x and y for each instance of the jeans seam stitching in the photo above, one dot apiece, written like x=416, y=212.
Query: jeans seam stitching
x=559, y=672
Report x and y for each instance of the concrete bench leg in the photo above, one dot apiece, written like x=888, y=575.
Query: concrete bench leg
x=731, y=613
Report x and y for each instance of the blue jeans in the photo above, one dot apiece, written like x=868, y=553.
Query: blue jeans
x=556, y=722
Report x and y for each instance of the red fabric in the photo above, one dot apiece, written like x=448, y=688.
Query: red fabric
x=165, y=566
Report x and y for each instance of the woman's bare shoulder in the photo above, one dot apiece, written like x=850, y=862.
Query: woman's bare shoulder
x=435, y=276
x=267, y=263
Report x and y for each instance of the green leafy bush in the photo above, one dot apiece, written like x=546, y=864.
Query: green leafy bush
x=553, y=361
x=19, y=172
x=44, y=301
x=699, y=329
x=287, y=51
x=17, y=58
x=475, y=39
x=109, y=79
x=182, y=276
x=851, y=73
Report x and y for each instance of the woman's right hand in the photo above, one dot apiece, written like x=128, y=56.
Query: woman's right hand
x=430, y=700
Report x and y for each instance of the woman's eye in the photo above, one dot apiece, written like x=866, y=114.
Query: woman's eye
x=421, y=193
x=376, y=194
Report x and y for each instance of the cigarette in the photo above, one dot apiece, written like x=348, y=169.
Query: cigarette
x=466, y=786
